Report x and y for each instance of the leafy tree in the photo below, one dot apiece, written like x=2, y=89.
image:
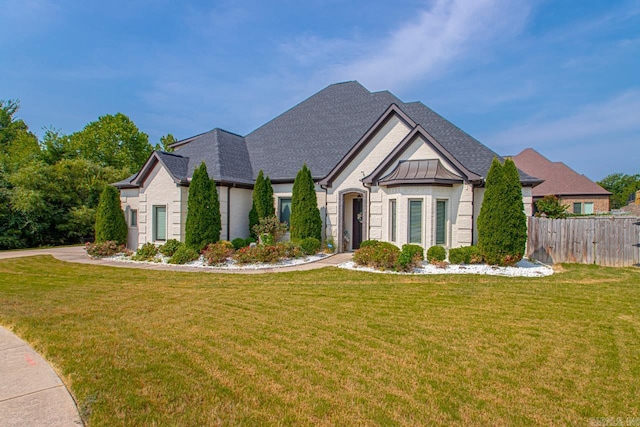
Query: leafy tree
x=551, y=207
x=165, y=142
x=113, y=141
x=18, y=146
x=621, y=186
x=502, y=223
x=110, y=222
x=203, y=211
x=56, y=146
x=305, y=215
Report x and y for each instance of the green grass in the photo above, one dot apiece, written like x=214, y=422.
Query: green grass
x=330, y=346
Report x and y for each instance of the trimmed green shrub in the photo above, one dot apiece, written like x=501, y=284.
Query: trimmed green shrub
x=436, y=254
x=305, y=218
x=249, y=240
x=218, y=253
x=310, y=246
x=110, y=222
x=410, y=257
x=183, y=255
x=104, y=249
x=366, y=243
x=459, y=256
x=170, y=247
x=381, y=255
x=238, y=243
x=203, y=222
x=146, y=252
x=502, y=223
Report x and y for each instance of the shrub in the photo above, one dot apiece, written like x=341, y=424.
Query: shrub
x=551, y=207
x=310, y=246
x=170, y=247
x=436, y=254
x=366, y=243
x=329, y=246
x=238, y=243
x=270, y=226
x=291, y=250
x=381, y=255
x=104, y=249
x=147, y=252
x=262, y=253
x=183, y=255
x=305, y=218
x=110, y=222
x=249, y=240
x=217, y=253
x=410, y=257
x=465, y=255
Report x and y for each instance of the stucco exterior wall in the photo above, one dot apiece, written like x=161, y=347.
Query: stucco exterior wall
x=241, y=200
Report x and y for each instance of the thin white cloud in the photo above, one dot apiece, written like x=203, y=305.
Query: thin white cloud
x=425, y=47
x=586, y=126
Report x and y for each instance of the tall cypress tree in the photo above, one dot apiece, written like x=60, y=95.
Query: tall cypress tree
x=515, y=221
x=305, y=218
x=201, y=227
x=110, y=221
x=259, y=191
x=268, y=204
x=490, y=239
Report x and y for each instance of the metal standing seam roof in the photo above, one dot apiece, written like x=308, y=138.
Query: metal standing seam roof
x=425, y=172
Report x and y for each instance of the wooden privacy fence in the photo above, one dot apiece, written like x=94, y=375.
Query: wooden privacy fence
x=606, y=241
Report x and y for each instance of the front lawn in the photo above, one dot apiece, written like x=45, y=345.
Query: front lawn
x=332, y=346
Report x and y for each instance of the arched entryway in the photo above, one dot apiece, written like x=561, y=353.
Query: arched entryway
x=353, y=219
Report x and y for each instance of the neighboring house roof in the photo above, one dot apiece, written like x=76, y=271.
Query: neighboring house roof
x=559, y=179
x=420, y=172
x=321, y=131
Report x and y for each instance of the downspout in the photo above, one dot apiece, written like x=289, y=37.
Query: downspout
x=368, y=187
x=324, y=225
x=229, y=212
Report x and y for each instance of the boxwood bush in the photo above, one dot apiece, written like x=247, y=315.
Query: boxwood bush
x=410, y=257
x=465, y=255
x=379, y=255
x=238, y=243
x=310, y=246
x=436, y=254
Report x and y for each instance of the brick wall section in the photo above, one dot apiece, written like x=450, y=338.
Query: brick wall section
x=600, y=203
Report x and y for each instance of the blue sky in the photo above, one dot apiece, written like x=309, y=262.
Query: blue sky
x=560, y=76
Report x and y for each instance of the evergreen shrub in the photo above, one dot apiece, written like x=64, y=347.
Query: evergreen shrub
x=183, y=255
x=110, y=222
x=146, y=252
x=310, y=246
x=170, y=247
x=436, y=254
x=238, y=243
x=305, y=218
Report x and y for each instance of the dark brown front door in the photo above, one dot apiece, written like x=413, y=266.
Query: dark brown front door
x=357, y=224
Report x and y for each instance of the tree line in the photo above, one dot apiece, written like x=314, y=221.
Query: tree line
x=50, y=188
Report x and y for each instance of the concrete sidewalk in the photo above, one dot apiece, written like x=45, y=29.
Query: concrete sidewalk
x=31, y=393
x=78, y=254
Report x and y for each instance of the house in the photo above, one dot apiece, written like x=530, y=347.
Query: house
x=581, y=194
x=384, y=169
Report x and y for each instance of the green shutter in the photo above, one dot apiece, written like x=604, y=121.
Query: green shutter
x=160, y=222
x=441, y=222
x=415, y=221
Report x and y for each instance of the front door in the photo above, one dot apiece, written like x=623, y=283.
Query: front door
x=357, y=224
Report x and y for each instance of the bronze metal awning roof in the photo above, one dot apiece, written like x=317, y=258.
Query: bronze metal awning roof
x=420, y=172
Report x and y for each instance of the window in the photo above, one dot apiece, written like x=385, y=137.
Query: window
x=133, y=221
x=159, y=223
x=284, y=210
x=577, y=208
x=588, y=208
x=415, y=221
x=393, y=233
x=441, y=222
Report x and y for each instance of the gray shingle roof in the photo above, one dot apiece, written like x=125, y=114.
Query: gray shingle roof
x=319, y=131
x=224, y=153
